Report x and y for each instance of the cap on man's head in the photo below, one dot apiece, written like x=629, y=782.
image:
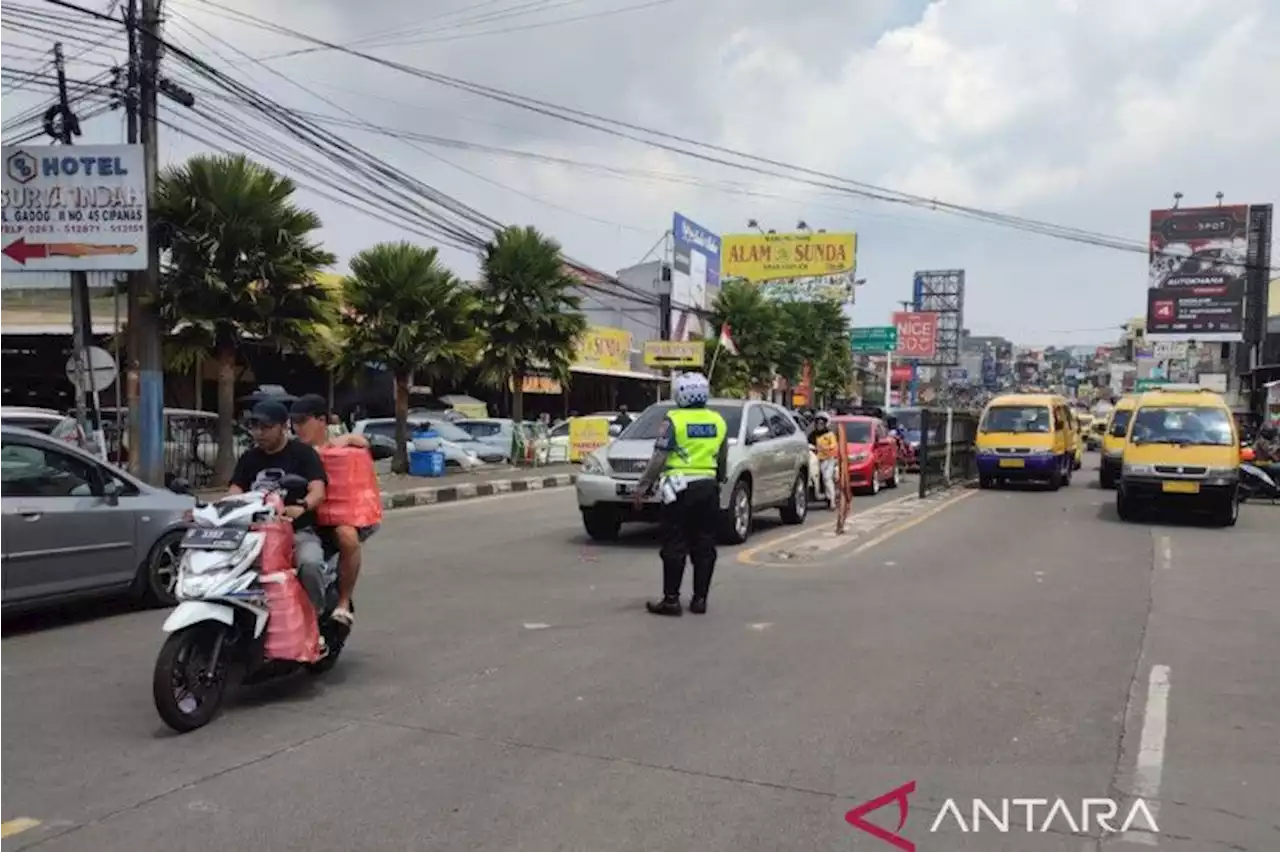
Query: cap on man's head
x=309, y=405
x=269, y=412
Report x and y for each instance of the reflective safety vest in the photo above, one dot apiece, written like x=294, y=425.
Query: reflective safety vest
x=699, y=433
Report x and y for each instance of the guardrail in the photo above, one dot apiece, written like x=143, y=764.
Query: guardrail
x=947, y=456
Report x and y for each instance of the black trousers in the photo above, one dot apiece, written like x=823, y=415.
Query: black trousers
x=689, y=532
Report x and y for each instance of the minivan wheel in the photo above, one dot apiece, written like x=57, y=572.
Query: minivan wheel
x=737, y=520
x=159, y=578
x=797, y=507
x=1124, y=506
x=1228, y=512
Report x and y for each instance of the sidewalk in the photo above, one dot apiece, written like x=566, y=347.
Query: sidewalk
x=403, y=491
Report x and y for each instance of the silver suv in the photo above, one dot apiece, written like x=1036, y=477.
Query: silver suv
x=768, y=469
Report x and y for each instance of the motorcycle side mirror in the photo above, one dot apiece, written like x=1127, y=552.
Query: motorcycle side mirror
x=178, y=485
x=291, y=481
x=759, y=434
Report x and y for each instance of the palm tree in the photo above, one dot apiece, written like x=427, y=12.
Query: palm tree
x=530, y=313
x=402, y=307
x=239, y=261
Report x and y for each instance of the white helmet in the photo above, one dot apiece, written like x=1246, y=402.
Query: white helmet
x=690, y=389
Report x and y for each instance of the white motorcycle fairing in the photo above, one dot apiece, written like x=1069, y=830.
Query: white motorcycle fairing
x=188, y=613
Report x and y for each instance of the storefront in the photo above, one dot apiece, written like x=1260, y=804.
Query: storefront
x=604, y=376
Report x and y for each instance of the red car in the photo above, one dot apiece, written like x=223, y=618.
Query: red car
x=873, y=453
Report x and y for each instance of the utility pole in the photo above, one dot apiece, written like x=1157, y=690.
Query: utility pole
x=146, y=374
x=81, y=320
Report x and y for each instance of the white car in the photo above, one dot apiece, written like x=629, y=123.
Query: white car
x=458, y=447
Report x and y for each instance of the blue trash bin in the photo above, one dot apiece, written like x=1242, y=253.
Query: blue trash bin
x=426, y=463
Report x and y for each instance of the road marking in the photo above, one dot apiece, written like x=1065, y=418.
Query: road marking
x=1166, y=553
x=392, y=514
x=16, y=826
x=535, y=625
x=1150, y=765
x=745, y=556
x=763, y=625
x=919, y=519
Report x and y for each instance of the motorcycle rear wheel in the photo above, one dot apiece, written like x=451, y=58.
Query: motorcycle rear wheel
x=186, y=695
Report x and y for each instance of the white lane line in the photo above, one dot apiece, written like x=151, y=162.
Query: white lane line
x=1166, y=552
x=535, y=625
x=393, y=514
x=1150, y=766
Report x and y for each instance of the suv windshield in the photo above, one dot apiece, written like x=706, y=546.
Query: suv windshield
x=1183, y=425
x=1016, y=418
x=649, y=423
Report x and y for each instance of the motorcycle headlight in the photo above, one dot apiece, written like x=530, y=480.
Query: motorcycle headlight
x=1138, y=470
x=594, y=464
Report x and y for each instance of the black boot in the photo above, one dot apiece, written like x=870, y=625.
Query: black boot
x=698, y=605
x=669, y=605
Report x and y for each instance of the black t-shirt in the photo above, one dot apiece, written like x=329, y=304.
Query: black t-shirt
x=295, y=457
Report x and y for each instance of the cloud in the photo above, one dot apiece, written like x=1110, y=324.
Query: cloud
x=1083, y=112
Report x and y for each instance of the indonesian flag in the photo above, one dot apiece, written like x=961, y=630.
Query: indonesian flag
x=726, y=340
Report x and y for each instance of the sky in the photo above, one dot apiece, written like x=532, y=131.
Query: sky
x=1084, y=113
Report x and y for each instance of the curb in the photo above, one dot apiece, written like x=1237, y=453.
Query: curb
x=471, y=490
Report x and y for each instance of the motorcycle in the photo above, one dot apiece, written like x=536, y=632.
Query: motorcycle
x=1256, y=483
x=228, y=603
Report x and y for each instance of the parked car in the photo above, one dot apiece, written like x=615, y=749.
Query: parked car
x=46, y=421
x=768, y=469
x=75, y=527
x=459, y=448
x=873, y=453
x=498, y=433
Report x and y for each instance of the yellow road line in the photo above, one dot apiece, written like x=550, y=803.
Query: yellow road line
x=17, y=826
x=747, y=557
x=919, y=519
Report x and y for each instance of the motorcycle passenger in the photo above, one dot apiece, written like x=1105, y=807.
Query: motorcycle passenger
x=274, y=449
x=1267, y=446
x=308, y=417
x=826, y=444
x=691, y=456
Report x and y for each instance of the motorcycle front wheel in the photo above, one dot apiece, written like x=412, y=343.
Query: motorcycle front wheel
x=186, y=691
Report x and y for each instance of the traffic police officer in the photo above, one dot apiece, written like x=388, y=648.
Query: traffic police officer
x=689, y=462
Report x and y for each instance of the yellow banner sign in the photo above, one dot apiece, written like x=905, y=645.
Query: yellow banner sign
x=586, y=435
x=539, y=384
x=672, y=353
x=604, y=348
x=768, y=257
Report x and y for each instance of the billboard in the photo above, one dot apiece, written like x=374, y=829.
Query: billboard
x=917, y=334
x=770, y=257
x=74, y=210
x=695, y=267
x=604, y=348
x=1196, y=272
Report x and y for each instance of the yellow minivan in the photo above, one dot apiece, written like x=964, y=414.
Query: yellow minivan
x=1024, y=437
x=1113, y=441
x=1182, y=448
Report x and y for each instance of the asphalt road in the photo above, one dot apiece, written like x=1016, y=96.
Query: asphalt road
x=505, y=690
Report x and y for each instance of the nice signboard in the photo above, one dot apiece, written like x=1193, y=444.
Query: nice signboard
x=917, y=334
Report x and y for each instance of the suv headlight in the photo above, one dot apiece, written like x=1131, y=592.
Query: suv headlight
x=594, y=464
x=1138, y=470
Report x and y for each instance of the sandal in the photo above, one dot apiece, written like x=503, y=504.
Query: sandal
x=343, y=616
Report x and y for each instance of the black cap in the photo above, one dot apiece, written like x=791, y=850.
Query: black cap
x=309, y=405
x=270, y=413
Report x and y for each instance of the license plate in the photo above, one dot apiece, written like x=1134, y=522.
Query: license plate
x=1173, y=486
x=625, y=489
x=1013, y=462
x=213, y=538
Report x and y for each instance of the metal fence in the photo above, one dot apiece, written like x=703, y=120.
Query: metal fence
x=190, y=446
x=947, y=456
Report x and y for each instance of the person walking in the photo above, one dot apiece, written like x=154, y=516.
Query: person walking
x=689, y=462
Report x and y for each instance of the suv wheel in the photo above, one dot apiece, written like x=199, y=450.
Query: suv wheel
x=737, y=520
x=602, y=523
x=797, y=507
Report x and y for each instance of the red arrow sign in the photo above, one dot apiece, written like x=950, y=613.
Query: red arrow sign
x=22, y=251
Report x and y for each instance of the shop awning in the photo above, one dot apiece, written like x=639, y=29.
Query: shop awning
x=618, y=374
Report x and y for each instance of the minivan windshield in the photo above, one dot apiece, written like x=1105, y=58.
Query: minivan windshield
x=1201, y=426
x=1017, y=418
x=1120, y=423
x=647, y=426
